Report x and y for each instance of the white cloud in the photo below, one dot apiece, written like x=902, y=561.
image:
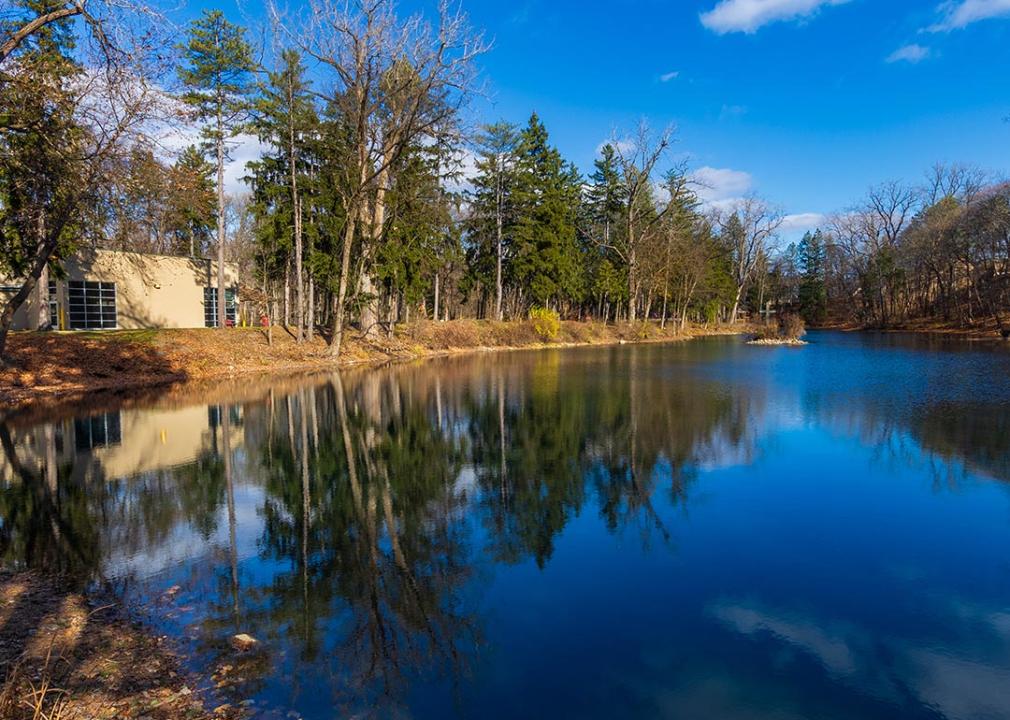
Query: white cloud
x=242, y=149
x=722, y=189
x=622, y=145
x=957, y=15
x=909, y=53
x=667, y=77
x=966, y=680
x=747, y=16
x=464, y=172
x=720, y=186
x=801, y=222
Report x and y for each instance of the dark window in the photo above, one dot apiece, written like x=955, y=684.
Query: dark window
x=97, y=431
x=54, y=307
x=92, y=305
x=210, y=306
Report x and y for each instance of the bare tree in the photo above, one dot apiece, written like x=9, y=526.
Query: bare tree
x=395, y=83
x=955, y=180
x=894, y=204
x=637, y=159
x=748, y=227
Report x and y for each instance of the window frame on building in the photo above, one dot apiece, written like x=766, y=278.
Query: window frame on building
x=92, y=305
x=210, y=306
x=54, y=306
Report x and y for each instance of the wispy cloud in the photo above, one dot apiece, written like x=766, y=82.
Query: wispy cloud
x=720, y=187
x=623, y=145
x=747, y=16
x=244, y=148
x=667, y=77
x=962, y=13
x=909, y=53
x=801, y=222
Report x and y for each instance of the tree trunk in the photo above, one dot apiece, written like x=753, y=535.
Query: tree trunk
x=498, y=269
x=370, y=306
x=736, y=305
x=221, y=310
x=287, y=294
x=47, y=245
x=632, y=259
x=341, y=300
x=310, y=321
x=230, y=488
x=434, y=313
x=296, y=205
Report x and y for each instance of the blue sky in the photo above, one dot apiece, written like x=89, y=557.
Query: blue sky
x=807, y=102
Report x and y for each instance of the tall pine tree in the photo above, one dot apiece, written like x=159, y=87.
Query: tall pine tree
x=286, y=121
x=492, y=214
x=218, y=78
x=547, y=196
x=813, y=296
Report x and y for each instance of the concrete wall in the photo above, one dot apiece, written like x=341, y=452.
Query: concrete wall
x=152, y=291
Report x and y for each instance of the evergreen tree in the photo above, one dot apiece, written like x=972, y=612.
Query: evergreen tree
x=217, y=75
x=812, y=296
x=45, y=193
x=192, y=208
x=286, y=120
x=419, y=238
x=546, y=257
x=491, y=217
x=606, y=267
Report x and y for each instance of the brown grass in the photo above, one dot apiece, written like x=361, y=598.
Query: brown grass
x=64, y=658
x=45, y=367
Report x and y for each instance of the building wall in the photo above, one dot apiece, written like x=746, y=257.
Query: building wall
x=152, y=291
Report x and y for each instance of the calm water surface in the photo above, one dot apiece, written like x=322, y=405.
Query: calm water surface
x=696, y=530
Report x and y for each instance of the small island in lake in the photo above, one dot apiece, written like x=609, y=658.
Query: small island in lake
x=788, y=329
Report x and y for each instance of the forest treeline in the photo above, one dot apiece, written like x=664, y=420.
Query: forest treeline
x=375, y=202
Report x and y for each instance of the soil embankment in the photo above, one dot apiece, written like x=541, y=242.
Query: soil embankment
x=63, y=367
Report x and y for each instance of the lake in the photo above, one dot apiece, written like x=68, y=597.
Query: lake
x=701, y=529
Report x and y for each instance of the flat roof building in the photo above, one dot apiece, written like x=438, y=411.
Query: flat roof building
x=107, y=289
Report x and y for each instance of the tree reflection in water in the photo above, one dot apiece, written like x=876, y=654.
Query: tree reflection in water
x=352, y=523
x=383, y=496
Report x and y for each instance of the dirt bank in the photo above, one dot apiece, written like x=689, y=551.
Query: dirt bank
x=70, y=656
x=983, y=331
x=63, y=367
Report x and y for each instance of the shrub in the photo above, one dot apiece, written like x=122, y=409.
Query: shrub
x=452, y=334
x=791, y=326
x=767, y=331
x=546, y=322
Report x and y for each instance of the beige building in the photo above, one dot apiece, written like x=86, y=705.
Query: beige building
x=105, y=289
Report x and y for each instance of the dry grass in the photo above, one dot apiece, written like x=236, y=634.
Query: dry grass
x=62, y=658
x=47, y=367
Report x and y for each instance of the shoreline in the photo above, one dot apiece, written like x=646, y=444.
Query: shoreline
x=51, y=370
x=68, y=654
x=918, y=328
